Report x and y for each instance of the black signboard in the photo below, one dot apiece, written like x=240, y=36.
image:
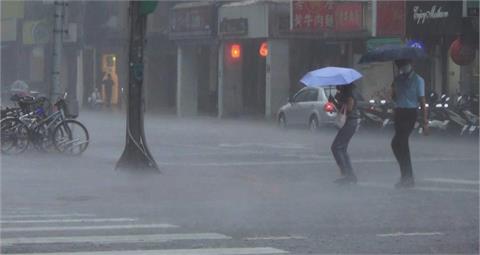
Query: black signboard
x=192, y=22
x=230, y=27
x=433, y=18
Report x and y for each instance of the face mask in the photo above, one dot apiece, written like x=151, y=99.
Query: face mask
x=406, y=69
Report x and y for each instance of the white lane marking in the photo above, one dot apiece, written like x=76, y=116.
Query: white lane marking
x=274, y=238
x=105, y=227
x=14, y=212
x=264, y=145
x=390, y=186
x=303, y=162
x=410, y=234
x=245, y=163
x=113, y=239
x=9, y=216
x=201, y=251
x=67, y=220
x=457, y=181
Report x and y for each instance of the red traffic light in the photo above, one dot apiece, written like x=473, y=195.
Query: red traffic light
x=235, y=51
x=263, y=51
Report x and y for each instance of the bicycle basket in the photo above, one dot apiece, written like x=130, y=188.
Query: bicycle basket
x=70, y=110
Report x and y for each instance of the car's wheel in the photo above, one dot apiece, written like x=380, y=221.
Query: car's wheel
x=282, y=121
x=313, y=124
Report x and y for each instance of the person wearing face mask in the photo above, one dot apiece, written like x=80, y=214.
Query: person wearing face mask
x=408, y=92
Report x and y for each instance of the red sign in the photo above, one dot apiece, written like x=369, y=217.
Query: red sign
x=312, y=15
x=390, y=18
x=348, y=17
x=319, y=16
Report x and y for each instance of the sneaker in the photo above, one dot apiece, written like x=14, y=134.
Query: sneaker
x=348, y=179
x=405, y=183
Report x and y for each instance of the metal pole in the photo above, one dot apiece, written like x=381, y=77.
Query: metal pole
x=136, y=155
x=374, y=18
x=58, y=31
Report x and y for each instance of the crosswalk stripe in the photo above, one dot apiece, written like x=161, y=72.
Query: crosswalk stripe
x=410, y=234
x=15, y=212
x=274, y=238
x=201, y=251
x=112, y=239
x=457, y=181
x=47, y=216
x=387, y=186
x=67, y=220
x=103, y=227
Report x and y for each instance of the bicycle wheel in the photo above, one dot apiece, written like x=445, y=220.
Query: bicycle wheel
x=14, y=136
x=70, y=137
x=41, y=138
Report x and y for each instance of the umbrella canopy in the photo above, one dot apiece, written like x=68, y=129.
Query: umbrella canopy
x=330, y=76
x=391, y=53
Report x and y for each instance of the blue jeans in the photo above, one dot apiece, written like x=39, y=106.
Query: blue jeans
x=340, y=145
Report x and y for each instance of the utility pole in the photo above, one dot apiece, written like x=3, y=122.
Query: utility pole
x=136, y=155
x=58, y=31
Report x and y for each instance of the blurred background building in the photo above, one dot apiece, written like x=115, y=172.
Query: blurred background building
x=236, y=58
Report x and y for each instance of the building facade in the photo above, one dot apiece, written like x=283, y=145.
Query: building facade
x=237, y=58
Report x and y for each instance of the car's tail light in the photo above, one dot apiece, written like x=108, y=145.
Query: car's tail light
x=329, y=107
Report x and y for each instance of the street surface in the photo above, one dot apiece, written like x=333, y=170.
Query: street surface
x=239, y=187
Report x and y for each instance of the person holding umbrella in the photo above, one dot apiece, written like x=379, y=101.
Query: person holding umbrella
x=346, y=102
x=343, y=79
x=408, y=91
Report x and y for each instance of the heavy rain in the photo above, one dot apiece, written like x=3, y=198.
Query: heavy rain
x=239, y=127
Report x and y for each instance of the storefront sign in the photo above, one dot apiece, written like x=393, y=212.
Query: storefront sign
x=435, y=13
x=193, y=21
x=433, y=17
x=312, y=15
x=318, y=16
x=348, y=16
x=234, y=27
x=391, y=18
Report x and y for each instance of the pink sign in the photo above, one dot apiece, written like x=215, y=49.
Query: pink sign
x=310, y=16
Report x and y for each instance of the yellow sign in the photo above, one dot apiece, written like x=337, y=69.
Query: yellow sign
x=12, y=9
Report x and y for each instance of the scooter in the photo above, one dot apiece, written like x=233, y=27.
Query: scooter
x=463, y=105
x=378, y=114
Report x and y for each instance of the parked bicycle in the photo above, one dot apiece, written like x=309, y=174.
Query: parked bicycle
x=44, y=132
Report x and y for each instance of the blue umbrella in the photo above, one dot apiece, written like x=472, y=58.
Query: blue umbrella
x=330, y=76
x=391, y=53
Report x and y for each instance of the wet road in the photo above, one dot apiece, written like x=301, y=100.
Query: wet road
x=239, y=187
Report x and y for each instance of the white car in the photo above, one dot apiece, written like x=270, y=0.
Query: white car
x=307, y=108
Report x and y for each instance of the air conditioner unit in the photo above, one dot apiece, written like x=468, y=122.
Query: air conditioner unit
x=71, y=35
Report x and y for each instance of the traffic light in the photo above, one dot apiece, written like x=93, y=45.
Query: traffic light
x=263, y=51
x=235, y=51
